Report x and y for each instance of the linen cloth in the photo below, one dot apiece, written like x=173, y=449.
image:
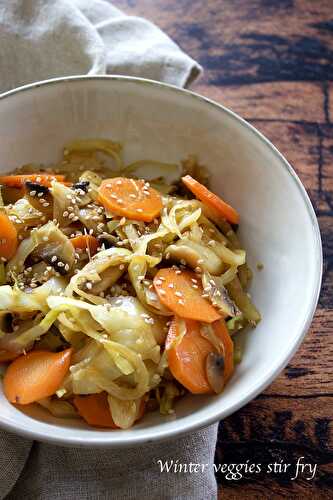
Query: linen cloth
x=41, y=39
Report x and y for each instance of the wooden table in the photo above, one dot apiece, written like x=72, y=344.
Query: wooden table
x=271, y=61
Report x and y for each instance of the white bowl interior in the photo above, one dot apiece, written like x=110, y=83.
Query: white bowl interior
x=278, y=227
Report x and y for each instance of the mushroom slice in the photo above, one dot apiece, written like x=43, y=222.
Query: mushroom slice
x=195, y=255
x=215, y=371
x=39, y=197
x=218, y=295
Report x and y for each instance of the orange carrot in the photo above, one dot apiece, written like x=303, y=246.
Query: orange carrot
x=8, y=237
x=182, y=292
x=85, y=242
x=35, y=376
x=130, y=198
x=6, y=356
x=221, y=330
x=18, y=181
x=187, y=360
x=95, y=410
x=211, y=200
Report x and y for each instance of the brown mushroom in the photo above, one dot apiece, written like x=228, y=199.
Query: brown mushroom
x=215, y=371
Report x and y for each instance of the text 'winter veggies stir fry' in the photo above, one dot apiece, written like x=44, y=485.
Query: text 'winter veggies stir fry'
x=121, y=286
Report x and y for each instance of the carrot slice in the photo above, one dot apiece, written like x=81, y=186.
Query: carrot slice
x=85, y=242
x=211, y=200
x=8, y=237
x=95, y=410
x=221, y=330
x=7, y=355
x=35, y=376
x=187, y=360
x=130, y=198
x=18, y=181
x=181, y=292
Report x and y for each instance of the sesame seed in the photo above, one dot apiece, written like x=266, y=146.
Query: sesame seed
x=40, y=195
x=120, y=201
x=158, y=282
x=119, y=182
x=89, y=285
x=194, y=280
x=45, y=238
x=171, y=285
x=212, y=243
x=181, y=302
x=60, y=264
x=167, y=256
x=122, y=221
x=140, y=210
x=183, y=262
x=54, y=258
x=178, y=294
x=132, y=195
x=66, y=267
x=178, y=271
x=46, y=204
x=32, y=193
x=195, y=286
x=121, y=267
x=162, y=292
x=71, y=216
x=200, y=261
x=198, y=270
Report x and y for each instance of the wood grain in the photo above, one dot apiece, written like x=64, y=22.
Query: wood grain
x=272, y=62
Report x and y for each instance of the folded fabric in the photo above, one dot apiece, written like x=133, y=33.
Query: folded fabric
x=42, y=39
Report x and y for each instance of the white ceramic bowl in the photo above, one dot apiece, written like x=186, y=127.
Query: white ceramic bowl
x=278, y=224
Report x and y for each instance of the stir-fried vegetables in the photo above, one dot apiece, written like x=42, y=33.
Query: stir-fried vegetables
x=119, y=292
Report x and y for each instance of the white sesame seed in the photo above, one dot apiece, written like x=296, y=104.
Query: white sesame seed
x=132, y=195
x=178, y=271
x=171, y=285
x=195, y=286
x=40, y=195
x=200, y=261
x=89, y=285
x=120, y=201
x=32, y=193
x=119, y=182
x=66, y=267
x=158, y=282
x=65, y=213
x=162, y=292
x=54, y=258
x=167, y=256
x=121, y=267
x=181, y=302
x=178, y=294
x=45, y=238
x=140, y=210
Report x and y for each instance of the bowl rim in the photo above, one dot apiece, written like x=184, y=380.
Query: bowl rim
x=114, y=440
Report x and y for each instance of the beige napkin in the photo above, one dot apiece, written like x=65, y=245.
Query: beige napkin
x=41, y=39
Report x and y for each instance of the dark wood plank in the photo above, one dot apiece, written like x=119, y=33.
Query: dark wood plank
x=272, y=101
